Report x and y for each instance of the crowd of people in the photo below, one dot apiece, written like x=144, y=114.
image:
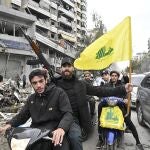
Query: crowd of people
x=66, y=106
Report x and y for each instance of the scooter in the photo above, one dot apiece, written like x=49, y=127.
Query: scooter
x=112, y=122
x=22, y=138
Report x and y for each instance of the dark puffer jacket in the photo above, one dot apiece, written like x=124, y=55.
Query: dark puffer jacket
x=49, y=110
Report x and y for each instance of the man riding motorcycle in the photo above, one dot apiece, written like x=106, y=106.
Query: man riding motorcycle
x=49, y=108
x=115, y=82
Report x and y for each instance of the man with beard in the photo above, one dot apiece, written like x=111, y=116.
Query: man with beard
x=77, y=91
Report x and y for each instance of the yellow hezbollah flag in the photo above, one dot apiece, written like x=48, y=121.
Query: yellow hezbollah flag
x=111, y=47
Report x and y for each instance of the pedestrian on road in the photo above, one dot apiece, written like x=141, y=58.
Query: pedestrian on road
x=24, y=81
x=17, y=79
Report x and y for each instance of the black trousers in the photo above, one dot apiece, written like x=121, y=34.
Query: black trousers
x=127, y=120
x=48, y=145
x=92, y=107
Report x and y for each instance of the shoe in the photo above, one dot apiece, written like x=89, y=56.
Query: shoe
x=99, y=144
x=139, y=147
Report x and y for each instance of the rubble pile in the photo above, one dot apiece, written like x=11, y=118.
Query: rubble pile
x=12, y=98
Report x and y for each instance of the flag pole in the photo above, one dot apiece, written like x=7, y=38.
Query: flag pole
x=129, y=94
x=130, y=70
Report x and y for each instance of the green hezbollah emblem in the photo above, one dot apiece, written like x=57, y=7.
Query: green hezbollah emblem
x=104, y=52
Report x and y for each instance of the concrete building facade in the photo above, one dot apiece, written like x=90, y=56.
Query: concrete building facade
x=58, y=26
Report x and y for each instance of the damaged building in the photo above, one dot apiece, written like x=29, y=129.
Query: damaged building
x=59, y=26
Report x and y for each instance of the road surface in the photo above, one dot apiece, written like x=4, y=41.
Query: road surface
x=90, y=144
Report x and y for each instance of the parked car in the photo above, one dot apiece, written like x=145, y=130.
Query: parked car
x=135, y=80
x=143, y=102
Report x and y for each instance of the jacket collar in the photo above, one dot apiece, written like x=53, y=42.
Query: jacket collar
x=47, y=90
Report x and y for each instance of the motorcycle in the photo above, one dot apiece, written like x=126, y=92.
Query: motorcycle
x=112, y=122
x=22, y=138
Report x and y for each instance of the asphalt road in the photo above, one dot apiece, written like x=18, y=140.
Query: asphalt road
x=90, y=144
x=129, y=142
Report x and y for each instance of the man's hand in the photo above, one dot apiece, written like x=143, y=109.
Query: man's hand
x=128, y=87
x=3, y=129
x=58, y=136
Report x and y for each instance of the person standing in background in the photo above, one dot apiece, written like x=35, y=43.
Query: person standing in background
x=17, y=79
x=24, y=80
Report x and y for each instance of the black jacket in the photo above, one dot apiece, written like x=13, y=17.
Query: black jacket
x=80, y=90
x=49, y=110
x=111, y=84
x=118, y=84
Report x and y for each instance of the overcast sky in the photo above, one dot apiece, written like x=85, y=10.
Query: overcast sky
x=114, y=11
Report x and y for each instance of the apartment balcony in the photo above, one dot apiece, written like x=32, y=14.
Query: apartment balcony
x=78, y=17
x=43, y=39
x=83, y=28
x=53, y=29
x=66, y=12
x=78, y=1
x=68, y=36
x=78, y=9
x=78, y=27
x=52, y=4
x=46, y=25
x=65, y=21
x=69, y=3
x=16, y=45
x=16, y=2
x=43, y=24
x=54, y=61
x=35, y=6
x=15, y=15
x=81, y=45
x=54, y=17
x=79, y=35
x=83, y=19
x=83, y=2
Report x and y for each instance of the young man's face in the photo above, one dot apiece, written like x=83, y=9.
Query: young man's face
x=105, y=77
x=87, y=76
x=114, y=77
x=38, y=83
x=67, y=70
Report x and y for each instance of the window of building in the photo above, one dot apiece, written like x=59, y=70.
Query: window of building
x=52, y=35
x=52, y=22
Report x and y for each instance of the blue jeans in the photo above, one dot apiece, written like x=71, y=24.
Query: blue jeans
x=74, y=136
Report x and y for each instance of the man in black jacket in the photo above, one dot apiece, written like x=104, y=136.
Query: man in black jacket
x=77, y=91
x=115, y=82
x=49, y=108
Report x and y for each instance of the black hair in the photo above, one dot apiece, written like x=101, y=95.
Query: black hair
x=116, y=72
x=1, y=78
x=38, y=72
